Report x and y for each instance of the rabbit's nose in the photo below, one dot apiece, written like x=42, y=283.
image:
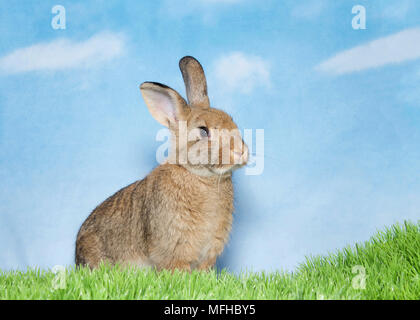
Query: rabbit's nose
x=241, y=155
x=245, y=154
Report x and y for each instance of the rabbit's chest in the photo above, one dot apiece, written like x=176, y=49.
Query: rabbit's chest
x=212, y=234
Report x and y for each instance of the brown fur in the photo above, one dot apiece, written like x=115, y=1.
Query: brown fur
x=180, y=215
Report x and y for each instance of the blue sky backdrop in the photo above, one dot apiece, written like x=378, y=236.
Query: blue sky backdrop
x=340, y=109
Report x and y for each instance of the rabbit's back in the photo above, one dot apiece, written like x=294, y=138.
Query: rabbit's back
x=170, y=219
x=108, y=233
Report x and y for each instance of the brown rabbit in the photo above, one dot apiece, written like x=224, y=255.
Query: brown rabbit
x=180, y=215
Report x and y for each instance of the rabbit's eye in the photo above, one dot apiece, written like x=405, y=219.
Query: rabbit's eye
x=204, y=132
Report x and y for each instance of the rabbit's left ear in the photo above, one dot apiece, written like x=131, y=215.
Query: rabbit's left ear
x=164, y=103
x=195, y=82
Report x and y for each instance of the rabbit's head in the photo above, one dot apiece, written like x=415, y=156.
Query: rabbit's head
x=205, y=140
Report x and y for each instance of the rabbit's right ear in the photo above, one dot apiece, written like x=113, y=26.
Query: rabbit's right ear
x=164, y=103
x=195, y=82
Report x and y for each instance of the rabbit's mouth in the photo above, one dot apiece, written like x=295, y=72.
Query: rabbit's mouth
x=225, y=169
x=213, y=170
x=206, y=169
x=239, y=159
x=220, y=171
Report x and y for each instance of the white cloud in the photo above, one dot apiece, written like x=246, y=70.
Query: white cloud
x=63, y=54
x=241, y=72
x=396, y=48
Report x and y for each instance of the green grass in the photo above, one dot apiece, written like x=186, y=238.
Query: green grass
x=391, y=262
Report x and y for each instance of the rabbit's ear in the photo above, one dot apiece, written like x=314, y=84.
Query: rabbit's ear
x=195, y=82
x=164, y=103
